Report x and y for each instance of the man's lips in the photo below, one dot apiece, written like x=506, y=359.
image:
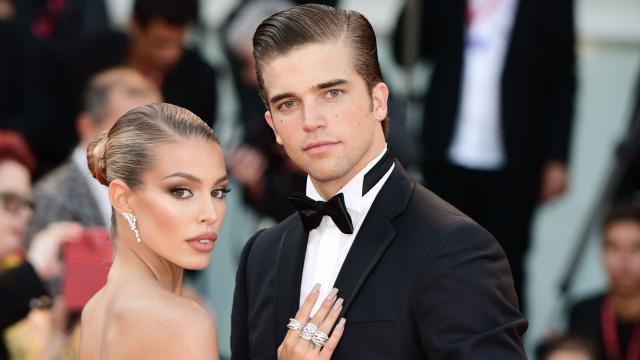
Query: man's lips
x=318, y=145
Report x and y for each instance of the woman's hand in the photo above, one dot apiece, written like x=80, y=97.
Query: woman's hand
x=296, y=347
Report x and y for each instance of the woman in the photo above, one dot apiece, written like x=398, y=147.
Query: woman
x=21, y=279
x=167, y=181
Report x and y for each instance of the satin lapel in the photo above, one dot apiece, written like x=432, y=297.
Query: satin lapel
x=372, y=240
x=375, y=235
x=293, y=248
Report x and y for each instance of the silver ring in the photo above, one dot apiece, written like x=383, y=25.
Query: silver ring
x=308, y=331
x=319, y=338
x=295, y=324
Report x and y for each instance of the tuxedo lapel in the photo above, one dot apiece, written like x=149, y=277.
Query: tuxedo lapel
x=375, y=235
x=372, y=240
x=293, y=246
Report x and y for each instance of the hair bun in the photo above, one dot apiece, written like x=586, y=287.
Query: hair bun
x=96, y=157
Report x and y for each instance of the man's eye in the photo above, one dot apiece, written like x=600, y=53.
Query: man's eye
x=288, y=104
x=181, y=193
x=334, y=93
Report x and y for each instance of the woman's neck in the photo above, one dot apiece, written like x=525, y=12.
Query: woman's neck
x=143, y=262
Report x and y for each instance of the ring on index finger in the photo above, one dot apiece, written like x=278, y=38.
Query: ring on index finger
x=295, y=324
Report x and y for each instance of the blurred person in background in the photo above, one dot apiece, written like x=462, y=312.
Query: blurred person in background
x=22, y=272
x=498, y=109
x=69, y=192
x=258, y=163
x=568, y=347
x=611, y=320
x=154, y=45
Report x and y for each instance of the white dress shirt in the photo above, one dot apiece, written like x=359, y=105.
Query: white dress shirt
x=477, y=140
x=327, y=246
x=99, y=191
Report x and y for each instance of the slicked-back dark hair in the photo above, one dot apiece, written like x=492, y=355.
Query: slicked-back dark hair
x=314, y=23
x=174, y=12
x=624, y=211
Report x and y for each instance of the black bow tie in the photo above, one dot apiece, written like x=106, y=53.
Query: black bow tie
x=312, y=211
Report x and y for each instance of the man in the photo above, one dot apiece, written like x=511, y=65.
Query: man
x=498, y=109
x=419, y=279
x=153, y=45
x=70, y=192
x=611, y=321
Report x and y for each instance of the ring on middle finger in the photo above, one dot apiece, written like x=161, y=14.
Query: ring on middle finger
x=308, y=331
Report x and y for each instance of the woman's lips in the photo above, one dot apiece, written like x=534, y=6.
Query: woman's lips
x=203, y=242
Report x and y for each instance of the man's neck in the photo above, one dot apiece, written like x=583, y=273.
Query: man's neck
x=626, y=306
x=146, y=68
x=328, y=189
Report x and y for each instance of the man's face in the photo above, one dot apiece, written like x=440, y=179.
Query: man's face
x=129, y=90
x=322, y=111
x=160, y=43
x=621, y=256
x=134, y=92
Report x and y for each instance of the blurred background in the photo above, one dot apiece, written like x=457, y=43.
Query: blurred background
x=557, y=100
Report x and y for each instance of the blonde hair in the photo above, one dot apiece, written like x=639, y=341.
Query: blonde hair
x=125, y=151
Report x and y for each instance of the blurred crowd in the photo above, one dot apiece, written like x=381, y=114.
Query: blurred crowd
x=494, y=128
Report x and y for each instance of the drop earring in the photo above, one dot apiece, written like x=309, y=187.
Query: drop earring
x=131, y=219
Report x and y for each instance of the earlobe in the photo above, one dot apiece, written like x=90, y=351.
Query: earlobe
x=120, y=196
x=267, y=116
x=380, y=95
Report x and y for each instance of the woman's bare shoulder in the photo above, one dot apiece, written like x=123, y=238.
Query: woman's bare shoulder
x=170, y=327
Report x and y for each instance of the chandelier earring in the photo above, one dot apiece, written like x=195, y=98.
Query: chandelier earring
x=131, y=219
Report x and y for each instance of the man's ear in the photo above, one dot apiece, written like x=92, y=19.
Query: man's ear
x=267, y=116
x=379, y=97
x=121, y=195
x=85, y=127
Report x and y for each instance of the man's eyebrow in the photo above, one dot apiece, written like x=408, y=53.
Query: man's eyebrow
x=330, y=84
x=184, y=175
x=321, y=86
x=279, y=97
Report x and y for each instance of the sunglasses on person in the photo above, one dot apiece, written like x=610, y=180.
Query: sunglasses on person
x=13, y=202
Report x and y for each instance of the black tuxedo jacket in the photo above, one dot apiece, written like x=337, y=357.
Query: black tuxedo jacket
x=537, y=86
x=421, y=281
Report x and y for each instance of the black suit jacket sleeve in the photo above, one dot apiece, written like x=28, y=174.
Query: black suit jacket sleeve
x=239, y=316
x=470, y=285
x=559, y=86
x=17, y=287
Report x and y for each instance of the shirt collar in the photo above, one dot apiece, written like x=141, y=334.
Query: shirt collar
x=352, y=190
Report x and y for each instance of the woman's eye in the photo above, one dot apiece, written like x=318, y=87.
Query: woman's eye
x=181, y=193
x=220, y=193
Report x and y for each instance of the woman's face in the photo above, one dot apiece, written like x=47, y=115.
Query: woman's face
x=180, y=205
x=15, y=200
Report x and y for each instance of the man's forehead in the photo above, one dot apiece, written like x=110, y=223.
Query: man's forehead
x=308, y=66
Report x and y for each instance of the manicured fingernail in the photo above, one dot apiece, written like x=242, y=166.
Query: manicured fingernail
x=332, y=294
x=315, y=289
x=338, y=304
x=341, y=323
